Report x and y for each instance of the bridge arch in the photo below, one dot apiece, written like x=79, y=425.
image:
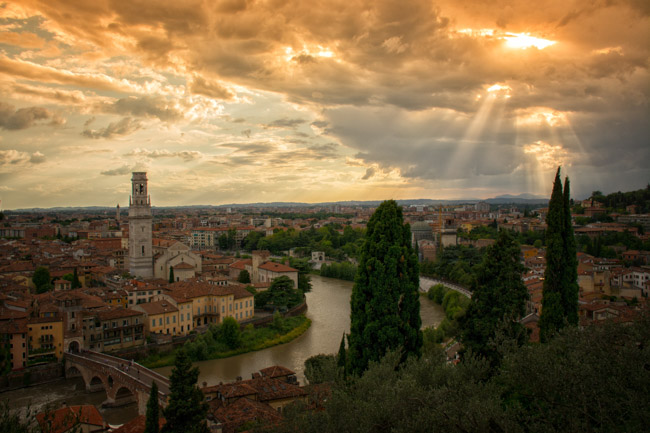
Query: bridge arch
x=72, y=372
x=73, y=346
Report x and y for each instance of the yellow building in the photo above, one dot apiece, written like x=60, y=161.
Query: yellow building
x=45, y=339
x=212, y=303
x=161, y=317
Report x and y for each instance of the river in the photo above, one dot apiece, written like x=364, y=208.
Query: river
x=328, y=308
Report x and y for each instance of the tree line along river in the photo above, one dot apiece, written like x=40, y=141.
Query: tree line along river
x=328, y=308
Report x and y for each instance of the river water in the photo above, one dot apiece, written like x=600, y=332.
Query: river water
x=328, y=308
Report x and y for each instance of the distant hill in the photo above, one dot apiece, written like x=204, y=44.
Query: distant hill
x=529, y=199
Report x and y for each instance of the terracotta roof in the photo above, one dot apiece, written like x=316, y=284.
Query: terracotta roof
x=65, y=418
x=243, y=411
x=241, y=264
x=183, y=265
x=276, y=267
x=117, y=313
x=45, y=319
x=231, y=390
x=274, y=389
x=158, y=307
x=276, y=371
x=18, y=326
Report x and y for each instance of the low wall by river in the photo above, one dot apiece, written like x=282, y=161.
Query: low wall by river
x=31, y=376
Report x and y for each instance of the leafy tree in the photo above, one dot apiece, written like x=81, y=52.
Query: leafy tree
x=385, y=303
x=230, y=332
x=498, y=299
x=76, y=284
x=153, y=411
x=42, y=279
x=560, y=291
x=281, y=294
x=186, y=410
x=321, y=368
x=171, y=274
x=244, y=277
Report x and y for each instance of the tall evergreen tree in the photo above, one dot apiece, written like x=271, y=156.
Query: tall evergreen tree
x=498, y=299
x=76, y=284
x=385, y=303
x=186, y=410
x=171, y=274
x=560, y=292
x=153, y=411
x=341, y=359
x=570, y=288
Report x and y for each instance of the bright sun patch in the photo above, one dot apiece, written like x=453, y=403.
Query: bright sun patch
x=525, y=40
x=547, y=155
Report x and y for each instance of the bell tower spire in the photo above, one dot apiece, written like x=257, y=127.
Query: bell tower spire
x=140, y=222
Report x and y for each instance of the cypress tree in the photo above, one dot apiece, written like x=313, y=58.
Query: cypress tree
x=171, y=274
x=385, y=303
x=76, y=284
x=153, y=411
x=571, y=289
x=341, y=358
x=498, y=299
x=186, y=410
x=560, y=291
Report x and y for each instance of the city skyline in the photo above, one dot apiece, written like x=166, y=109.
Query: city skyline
x=244, y=101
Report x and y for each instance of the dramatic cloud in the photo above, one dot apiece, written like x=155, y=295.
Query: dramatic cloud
x=24, y=117
x=428, y=99
x=125, y=126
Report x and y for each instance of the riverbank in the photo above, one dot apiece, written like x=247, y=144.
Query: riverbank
x=252, y=339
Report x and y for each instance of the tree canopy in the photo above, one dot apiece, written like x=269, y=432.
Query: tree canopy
x=385, y=303
x=186, y=409
x=560, y=291
x=498, y=299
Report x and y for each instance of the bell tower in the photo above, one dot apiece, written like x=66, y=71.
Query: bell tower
x=140, y=221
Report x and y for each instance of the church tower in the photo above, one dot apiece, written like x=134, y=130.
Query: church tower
x=140, y=221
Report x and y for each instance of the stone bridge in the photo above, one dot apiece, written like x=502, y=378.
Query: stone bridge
x=427, y=283
x=124, y=381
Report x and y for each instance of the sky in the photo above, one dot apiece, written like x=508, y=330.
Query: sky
x=242, y=101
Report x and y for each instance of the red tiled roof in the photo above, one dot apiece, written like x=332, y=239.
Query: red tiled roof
x=277, y=267
x=158, y=307
x=276, y=371
x=65, y=418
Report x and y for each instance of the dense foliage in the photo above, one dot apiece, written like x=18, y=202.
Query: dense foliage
x=151, y=424
x=343, y=270
x=618, y=201
x=327, y=239
x=454, y=263
x=42, y=279
x=592, y=380
x=186, y=409
x=498, y=300
x=280, y=295
x=455, y=306
x=385, y=303
x=560, y=292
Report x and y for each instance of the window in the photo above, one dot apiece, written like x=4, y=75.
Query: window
x=160, y=322
x=143, y=246
x=188, y=316
x=153, y=323
x=167, y=321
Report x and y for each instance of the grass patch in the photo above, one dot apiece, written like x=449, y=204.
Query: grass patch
x=210, y=345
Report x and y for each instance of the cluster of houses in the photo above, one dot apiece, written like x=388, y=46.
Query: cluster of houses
x=110, y=312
